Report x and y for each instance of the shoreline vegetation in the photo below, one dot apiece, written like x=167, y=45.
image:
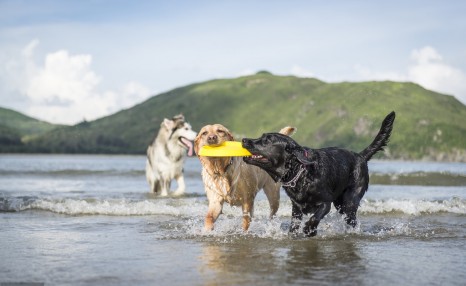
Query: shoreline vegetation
x=430, y=126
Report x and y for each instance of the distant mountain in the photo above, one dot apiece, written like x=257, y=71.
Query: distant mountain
x=429, y=125
x=16, y=129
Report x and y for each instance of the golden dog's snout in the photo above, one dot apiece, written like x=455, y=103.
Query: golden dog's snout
x=212, y=139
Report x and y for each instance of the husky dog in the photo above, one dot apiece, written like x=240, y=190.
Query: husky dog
x=166, y=155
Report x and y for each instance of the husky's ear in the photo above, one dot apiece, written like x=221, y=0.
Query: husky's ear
x=179, y=117
x=168, y=124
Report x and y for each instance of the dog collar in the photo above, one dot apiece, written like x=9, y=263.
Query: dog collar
x=292, y=182
x=229, y=164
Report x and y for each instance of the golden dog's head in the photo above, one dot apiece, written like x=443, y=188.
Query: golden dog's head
x=212, y=135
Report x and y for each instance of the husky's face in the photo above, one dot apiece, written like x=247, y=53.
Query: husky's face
x=180, y=132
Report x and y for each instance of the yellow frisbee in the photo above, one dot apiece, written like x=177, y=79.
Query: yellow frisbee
x=226, y=149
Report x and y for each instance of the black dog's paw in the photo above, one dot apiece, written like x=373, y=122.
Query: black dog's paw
x=294, y=227
x=294, y=231
x=309, y=232
x=351, y=221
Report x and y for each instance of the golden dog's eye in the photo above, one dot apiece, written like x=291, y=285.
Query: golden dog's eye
x=204, y=133
x=221, y=132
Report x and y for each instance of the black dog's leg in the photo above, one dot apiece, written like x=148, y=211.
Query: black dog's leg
x=348, y=209
x=351, y=200
x=310, y=229
x=296, y=217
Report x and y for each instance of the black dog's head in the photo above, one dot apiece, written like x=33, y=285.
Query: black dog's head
x=274, y=153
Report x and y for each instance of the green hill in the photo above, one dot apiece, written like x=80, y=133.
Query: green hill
x=429, y=125
x=16, y=129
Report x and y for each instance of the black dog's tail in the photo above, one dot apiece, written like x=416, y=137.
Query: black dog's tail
x=381, y=139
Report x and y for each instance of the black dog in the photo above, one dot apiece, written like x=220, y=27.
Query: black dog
x=314, y=178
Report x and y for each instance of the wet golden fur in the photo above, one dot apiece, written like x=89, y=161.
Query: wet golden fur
x=230, y=179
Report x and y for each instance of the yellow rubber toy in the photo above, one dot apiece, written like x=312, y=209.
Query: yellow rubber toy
x=226, y=149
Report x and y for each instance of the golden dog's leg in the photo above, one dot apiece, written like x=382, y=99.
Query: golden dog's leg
x=209, y=221
x=272, y=191
x=215, y=209
x=246, y=221
x=247, y=213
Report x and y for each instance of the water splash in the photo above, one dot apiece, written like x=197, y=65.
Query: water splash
x=197, y=206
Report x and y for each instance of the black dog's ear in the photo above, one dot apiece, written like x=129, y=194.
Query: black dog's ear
x=303, y=156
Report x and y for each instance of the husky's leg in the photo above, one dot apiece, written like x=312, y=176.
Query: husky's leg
x=164, y=187
x=181, y=185
x=150, y=177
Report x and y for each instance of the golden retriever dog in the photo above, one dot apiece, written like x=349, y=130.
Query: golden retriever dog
x=229, y=179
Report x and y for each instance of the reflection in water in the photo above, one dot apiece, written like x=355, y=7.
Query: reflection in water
x=276, y=262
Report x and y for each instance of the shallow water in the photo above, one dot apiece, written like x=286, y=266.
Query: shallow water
x=87, y=220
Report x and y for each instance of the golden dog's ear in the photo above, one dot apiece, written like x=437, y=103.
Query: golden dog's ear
x=197, y=141
x=230, y=136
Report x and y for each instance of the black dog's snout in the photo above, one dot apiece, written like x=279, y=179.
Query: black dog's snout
x=246, y=142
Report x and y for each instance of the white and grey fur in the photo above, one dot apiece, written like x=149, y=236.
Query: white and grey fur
x=167, y=153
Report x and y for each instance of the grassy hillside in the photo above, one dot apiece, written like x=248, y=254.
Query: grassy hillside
x=24, y=125
x=428, y=125
x=16, y=129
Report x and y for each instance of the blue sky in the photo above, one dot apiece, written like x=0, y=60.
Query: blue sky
x=65, y=61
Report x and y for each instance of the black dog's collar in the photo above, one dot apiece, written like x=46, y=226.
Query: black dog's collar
x=292, y=182
x=302, y=168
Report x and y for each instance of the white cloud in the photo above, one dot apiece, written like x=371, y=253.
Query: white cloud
x=129, y=94
x=296, y=70
x=368, y=74
x=66, y=89
x=433, y=73
x=428, y=69
x=301, y=72
x=28, y=51
x=63, y=79
x=426, y=55
x=246, y=72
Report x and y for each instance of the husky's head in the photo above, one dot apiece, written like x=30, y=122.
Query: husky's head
x=179, y=132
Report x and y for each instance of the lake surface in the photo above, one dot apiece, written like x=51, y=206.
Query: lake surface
x=89, y=220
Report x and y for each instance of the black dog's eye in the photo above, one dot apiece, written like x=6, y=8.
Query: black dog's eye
x=288, y=149
x=268, y=139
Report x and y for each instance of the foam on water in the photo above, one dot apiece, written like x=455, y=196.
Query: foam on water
x=183, y=218
x=413, y=207
x=189, y=207
x=117, y=207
